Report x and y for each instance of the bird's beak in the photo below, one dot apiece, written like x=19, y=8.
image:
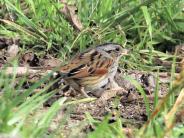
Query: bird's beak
x=125, y=52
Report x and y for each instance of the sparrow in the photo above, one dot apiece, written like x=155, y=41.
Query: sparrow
x=91, y=70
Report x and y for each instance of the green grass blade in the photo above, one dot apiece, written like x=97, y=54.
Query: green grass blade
x=142, y=92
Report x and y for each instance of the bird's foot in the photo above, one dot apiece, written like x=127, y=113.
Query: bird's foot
x=83, y=92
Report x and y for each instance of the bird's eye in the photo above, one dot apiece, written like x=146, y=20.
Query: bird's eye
x=117, y=49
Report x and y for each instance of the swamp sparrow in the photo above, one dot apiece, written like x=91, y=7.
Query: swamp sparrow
x=93, y=69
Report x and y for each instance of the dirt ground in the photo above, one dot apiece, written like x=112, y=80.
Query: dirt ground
x=130, y=108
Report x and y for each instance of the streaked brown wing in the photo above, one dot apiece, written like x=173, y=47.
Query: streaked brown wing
x=84, y=65
x=78, y=61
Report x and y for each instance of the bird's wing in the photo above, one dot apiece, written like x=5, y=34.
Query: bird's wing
x=89, y=63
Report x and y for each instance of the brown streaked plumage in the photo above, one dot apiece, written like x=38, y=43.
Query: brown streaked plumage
x=94, y=68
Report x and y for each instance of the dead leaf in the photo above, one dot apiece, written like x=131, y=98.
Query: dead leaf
x=12, y=51
x=50, y=62
x=29, y=59
x=69, y=11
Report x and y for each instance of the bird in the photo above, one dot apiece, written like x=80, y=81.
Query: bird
x=91, y=70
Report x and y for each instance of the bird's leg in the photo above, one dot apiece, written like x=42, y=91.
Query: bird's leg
x=114, y=85
x=83, y=92
x=114, y=88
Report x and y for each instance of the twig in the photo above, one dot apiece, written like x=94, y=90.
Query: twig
x=21, y=71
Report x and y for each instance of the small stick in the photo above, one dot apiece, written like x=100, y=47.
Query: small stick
x=21, y=71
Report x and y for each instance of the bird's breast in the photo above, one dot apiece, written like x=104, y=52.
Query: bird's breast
x=93, y=82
